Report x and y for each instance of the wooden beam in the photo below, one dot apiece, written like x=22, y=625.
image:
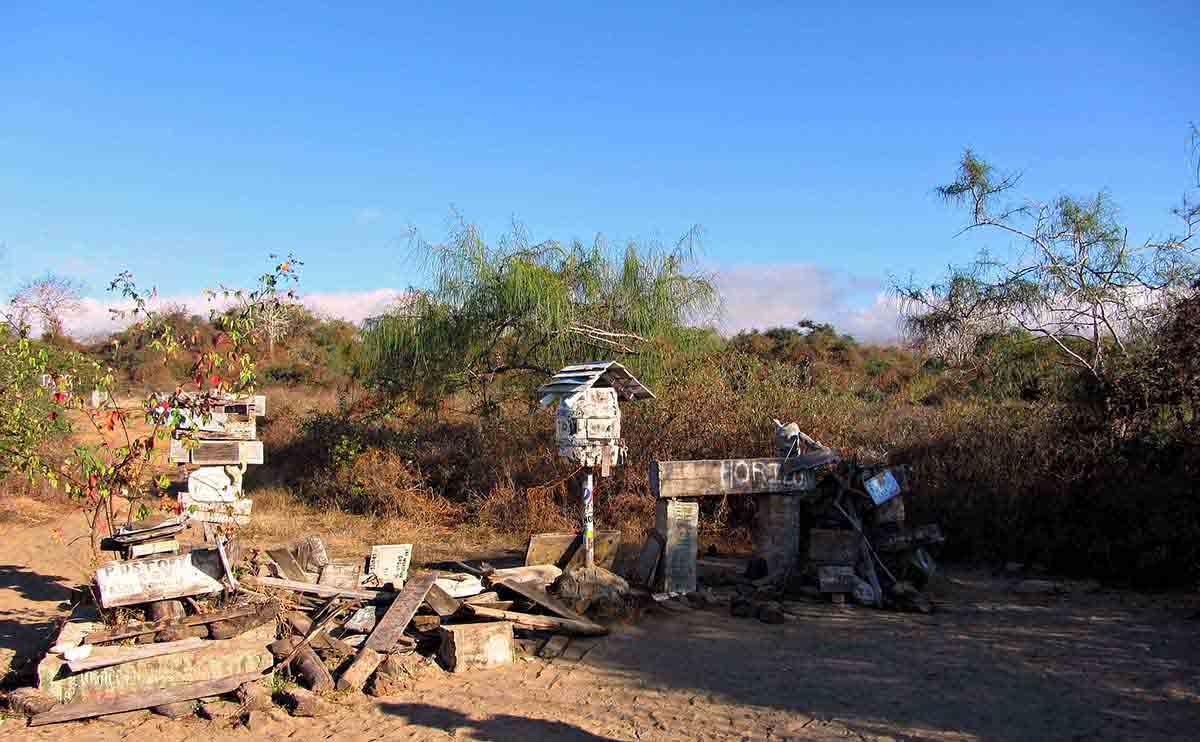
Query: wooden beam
x=153, y=627
x=398, y=615
x=379, y=596
x=540, y=623
x=287, y=564
x=539, y=596
x=441, y=603
x=106, y=656
x=714, y=477
x=173, y=694
x=386, y=632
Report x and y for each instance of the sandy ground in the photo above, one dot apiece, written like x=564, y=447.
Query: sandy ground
x=989, y=665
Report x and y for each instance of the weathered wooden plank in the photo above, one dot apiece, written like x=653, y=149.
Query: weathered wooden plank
x=99, y=657
x=441, y=602
x=144, y=700
x=287, y=564
x=211, y=660
x=197, y=572
x=382, y=596
x=564, y=550
x=476, y=646
x=343, y=574
x=726, y=477
x=833, y=546
x=395, y=621
x=678, y=522
x=213, y=453
x=237, y=511
x=540, y=623
x=153, y=627
x=648, y=559
x=539, y=596
x=150, y=548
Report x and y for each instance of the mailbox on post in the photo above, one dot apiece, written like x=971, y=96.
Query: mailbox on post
x=587, y=423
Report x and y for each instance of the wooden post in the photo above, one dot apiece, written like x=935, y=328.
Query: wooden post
x=589, y=534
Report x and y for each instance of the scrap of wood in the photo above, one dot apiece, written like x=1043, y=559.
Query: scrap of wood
x=540, y=623
x=154, y=578
x=400, y=613
x=150, y=548
x=489, y=597
x=565, y=550
x=648, y=559
x=541, y=597
x=554, y=646
x=106, y=656
x=288, y=566
x=151, y=627
x=441, y=603
x=344, y=574
x=728, y=477
x=322, y=590
x=173, y=694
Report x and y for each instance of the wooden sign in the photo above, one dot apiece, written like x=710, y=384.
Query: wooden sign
x=389, y=563
x=565, y=550
x=216, y=453
x=669, y=479
x=343, y=573
x=220, y=425
x=197, y=572
x=236, y=512
x=679, y=523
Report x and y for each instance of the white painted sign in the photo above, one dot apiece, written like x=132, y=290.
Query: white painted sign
x=389, y=563
x=197, y=572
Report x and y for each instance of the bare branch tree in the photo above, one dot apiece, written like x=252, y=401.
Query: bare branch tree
x=1079, y=284
x=49, y=299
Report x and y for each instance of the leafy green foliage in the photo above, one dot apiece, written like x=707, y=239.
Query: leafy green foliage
x=527, y=309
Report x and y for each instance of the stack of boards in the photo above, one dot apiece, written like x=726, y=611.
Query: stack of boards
x=221, y=445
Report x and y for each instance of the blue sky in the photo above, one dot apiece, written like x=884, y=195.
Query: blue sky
x=187, y=143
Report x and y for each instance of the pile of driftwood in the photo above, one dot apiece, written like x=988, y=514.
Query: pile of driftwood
x=175, y=633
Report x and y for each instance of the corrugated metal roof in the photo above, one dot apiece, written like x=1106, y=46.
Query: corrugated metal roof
x=579, y=377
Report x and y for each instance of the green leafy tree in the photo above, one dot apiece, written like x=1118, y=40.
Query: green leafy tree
x=516, y=309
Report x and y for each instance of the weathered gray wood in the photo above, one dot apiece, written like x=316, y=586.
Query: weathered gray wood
x=539, y=596
x=726, y=477
x=554, y=647
x=356, y=675
x=476, y=646
x=215, y=453
x=648, y=559
x=197, y=572
x=564, y=550
x=107, y=656
x=441, y=603
x=150, y=548
x=833, y=546
x=302, y=661
x=153, y=627
x=398, y=615
x=343, y=574
x=174, y=694
x=540, y=623
x=288, y=566
x=381, y=596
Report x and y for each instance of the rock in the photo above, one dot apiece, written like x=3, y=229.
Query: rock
x=771, y=613
x=177, y=710
x=254, y=697
x=701, y=599
x=742, y=607
x=595, y=591
x=30, y=701
x=308, y=704
x=1038, y=587
x=401, y=672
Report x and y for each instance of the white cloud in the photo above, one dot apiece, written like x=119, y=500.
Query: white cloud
x=762, y=295
x=94, y=317
x=756, y=295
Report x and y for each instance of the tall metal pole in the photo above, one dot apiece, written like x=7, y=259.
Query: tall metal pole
x=589, y=535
